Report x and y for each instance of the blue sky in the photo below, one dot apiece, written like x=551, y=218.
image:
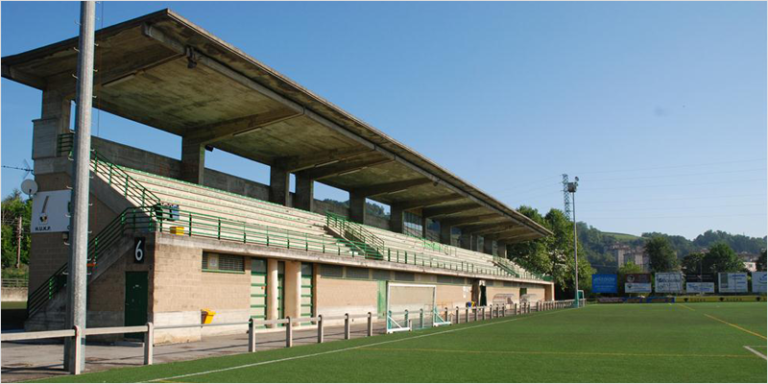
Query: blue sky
x=659, y=108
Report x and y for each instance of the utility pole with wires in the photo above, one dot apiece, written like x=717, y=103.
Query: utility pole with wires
x=19, y=236
x=74, y=351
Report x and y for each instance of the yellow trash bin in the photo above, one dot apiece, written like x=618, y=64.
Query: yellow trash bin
x=177, y=230
x=207, y=315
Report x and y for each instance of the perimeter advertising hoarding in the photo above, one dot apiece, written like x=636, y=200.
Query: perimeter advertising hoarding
x=758, y=282
x=604, y=283
x=701, y=278
x=732, y=282
x=638, y=283
x=669, y=282
x=699, y=287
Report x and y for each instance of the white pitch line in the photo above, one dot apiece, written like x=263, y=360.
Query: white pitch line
x=755, y=352
x=346, y=349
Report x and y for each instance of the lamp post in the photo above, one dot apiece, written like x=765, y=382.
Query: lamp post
x=572, y=189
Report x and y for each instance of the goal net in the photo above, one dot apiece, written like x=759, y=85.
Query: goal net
x=412, y=306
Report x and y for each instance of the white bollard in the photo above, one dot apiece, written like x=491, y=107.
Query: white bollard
x=320, y=335
x=149, y=344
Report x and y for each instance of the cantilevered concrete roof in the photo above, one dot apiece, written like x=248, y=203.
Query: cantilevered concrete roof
x=165, y=72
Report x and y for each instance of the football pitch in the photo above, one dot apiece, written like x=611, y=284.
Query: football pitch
x=698, y=342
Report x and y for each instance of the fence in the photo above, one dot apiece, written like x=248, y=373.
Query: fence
x=477, y=314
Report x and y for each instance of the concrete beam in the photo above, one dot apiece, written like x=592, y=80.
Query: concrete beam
x=520, y=238
x=192, y=161
x=357, y=208
x=300, y=163
x=390, y=188
x=14, y=74
x=440, y=211
x=279, y=186
x=228, y=129
x=515, y=231
x=462, y=221
x=342, y=169
x=54, y=120
x=305, y=193
x=489, y=229
x=413, y=204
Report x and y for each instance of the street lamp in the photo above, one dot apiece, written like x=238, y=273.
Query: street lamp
x=572, y=189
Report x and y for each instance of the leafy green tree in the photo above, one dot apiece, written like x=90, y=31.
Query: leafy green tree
x=661, y=254
x=761, y=262
x=721, y=258
x=553, y=255
x=13, y=208
x=693, y=263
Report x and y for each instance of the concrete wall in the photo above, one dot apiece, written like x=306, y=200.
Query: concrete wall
x=453, y=296
x=339, y=296
x=14, y=294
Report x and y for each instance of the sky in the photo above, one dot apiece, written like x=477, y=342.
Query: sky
x=658, y=108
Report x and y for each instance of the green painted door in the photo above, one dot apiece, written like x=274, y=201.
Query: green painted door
x=483, y=299
x=259, y=289
x=136, y=299
x=307, y=289
x=280, y=290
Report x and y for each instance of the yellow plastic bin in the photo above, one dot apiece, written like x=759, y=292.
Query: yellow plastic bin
x=207, y=315
x=177, y=230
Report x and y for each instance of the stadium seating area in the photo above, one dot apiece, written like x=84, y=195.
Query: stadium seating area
x=203, y=211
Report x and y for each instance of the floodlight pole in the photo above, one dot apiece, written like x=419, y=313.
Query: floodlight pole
x=572, y=189
x=77, y=279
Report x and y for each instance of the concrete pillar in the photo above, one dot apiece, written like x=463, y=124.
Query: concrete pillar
x=53, y=121
x=305, y=193
x=396, y=219
x=192, y=161
x=501, y=249
x=445, y=233
x=292, y=289
x=549, y=292
x=272, y=281
x=357, y=208
x=488, y=246
x=424, y=223
x=465, y=241
x=279, y=185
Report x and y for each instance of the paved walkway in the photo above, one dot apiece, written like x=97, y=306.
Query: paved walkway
x=31, y=360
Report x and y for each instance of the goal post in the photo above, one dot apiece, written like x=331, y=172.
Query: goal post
x=412, y=306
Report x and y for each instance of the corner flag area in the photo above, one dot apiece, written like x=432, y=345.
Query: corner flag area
x=697, y=342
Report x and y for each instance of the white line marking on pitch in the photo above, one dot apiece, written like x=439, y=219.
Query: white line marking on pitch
x=346, y=349
x=755, y=352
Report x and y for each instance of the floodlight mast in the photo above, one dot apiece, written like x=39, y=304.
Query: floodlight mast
x=572, y=189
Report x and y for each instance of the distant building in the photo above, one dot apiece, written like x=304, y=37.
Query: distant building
x=625, y=254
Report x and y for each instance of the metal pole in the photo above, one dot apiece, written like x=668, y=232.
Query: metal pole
x=575, y=251
x=18, y=242
x=77, y=277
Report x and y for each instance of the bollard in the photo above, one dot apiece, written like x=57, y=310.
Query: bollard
x=484, y=313
x=406, y=320
x=289, y=333
x=474, y=311
x=514, y=310
x=446, y=313
x=149, y=344
x=458, y=319
x=504, y=310
x=346, y=326
x=466, y=315
x=251, y=336
x=370, y=324
x=421, y=318
x=78, y=340
x=320, y=329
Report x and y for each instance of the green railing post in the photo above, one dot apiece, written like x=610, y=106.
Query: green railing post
x=190, y=224
x=218, y=230
x=109, y=180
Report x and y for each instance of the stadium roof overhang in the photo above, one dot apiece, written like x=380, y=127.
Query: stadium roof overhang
x=165, y=72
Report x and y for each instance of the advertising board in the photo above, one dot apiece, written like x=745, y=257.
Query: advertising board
x=732, y=282
x=604, y=283
x=638, y=283
x=669, y=282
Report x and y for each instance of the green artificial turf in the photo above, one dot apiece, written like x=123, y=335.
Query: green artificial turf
x=701, y=342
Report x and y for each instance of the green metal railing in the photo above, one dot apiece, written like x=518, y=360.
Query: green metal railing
x=517, y=271
x=356, y=233
x=130, y=218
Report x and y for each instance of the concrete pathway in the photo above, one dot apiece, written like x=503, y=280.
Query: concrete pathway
x=33, y=360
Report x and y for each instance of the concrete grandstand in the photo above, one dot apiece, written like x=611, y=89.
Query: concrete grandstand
x=235, y=246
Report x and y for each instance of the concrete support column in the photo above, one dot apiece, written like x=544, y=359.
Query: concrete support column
x=465, y=241
x=305, y=193
x=549, y=292
x=396, y=219
x=272, y=282
x=292, y=289
x=357, y=208
x=501, y=249
x=279, y=185
x=53, y=121
x=424, y=222
x=488, y=246
x=445, y=233
x=192, y=161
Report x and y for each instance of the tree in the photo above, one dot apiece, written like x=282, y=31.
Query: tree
x=662, y=256
x=693, y=263
x=13, y=208
x=553, y=255
x=721, y=258
x=761, y=262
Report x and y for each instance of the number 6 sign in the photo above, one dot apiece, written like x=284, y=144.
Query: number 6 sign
x=138, y=250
